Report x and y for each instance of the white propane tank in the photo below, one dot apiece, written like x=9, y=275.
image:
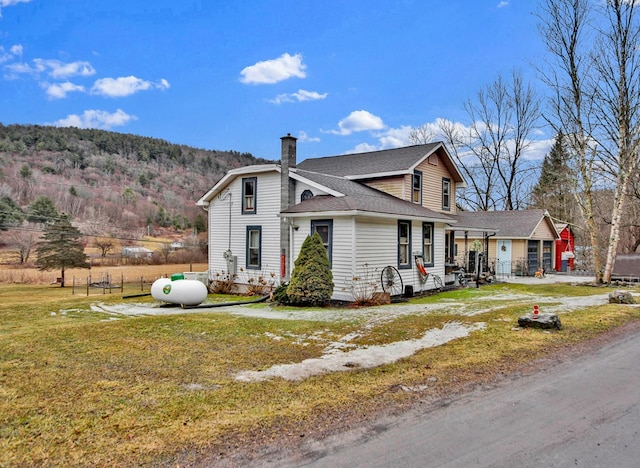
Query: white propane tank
x=180, y=291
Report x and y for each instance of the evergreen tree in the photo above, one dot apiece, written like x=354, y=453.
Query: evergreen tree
x=553, y=191
x=200, y=223
x=311, y=280
x=10, y=213
x=61, y=247
x=41, y=210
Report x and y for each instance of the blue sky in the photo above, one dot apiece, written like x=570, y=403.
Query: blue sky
x=341, y=75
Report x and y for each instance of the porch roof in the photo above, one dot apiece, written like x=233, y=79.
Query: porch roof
x=514, y=224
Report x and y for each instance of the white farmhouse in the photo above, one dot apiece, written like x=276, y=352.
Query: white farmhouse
x=393, y=208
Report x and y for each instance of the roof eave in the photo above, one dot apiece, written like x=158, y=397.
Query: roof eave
x=232, y=174
x=370, y=214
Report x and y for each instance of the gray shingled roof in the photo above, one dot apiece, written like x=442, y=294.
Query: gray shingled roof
x=627, y=266
x=507, y=224
x=358, y=197
x=375, y=162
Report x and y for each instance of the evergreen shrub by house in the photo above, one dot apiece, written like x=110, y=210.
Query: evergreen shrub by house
x=280, y=294
x=311, y=280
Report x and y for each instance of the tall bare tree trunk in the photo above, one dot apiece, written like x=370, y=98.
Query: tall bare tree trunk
x=563, y=24
x=617, y=62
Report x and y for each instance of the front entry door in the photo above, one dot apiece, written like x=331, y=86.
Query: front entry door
x=504, y=258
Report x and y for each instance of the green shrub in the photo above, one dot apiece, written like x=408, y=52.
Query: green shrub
x=311, y=280
x=280, y=294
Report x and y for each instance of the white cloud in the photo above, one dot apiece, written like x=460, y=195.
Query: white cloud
x=16, y=50
x=538, y=149
x=23, y=68
x=60, y=90
x=273, y=71
x=54, y=68
x=502, y=4
x=388, y=138
x=304, y=138
x=395, y=137
x=358, y=121
x=96, y=119
x=300, y=96
x=280, y=98
x=363, y=148
x=6, y=56
x=59, y=70
x=6, y=3
x=303, y=95
x=125, y=86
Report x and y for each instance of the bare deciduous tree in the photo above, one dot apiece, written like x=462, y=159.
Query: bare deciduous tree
x=105, y=244
x=594, y=74
x=23, y=241
x=490, y=148
x=617, y=64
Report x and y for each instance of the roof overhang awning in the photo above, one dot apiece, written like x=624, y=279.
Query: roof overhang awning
x=352, y=213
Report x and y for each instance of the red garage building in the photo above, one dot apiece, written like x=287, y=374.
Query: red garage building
x=564, y=248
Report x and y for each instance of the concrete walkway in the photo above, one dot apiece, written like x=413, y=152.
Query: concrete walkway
x=549, y=278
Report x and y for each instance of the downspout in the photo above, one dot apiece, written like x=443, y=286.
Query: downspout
x=221, y=197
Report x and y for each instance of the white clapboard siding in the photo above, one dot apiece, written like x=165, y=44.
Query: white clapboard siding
x=267, y=209
x=372, y=241
x=342, y=249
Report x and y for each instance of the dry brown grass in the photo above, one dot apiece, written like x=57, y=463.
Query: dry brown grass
x=81, y=387
x=130, y=273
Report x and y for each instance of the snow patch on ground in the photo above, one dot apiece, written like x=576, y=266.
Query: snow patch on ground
x=342, y=354
x=361, y=358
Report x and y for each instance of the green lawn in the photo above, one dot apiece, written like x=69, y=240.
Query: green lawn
x=79, y=386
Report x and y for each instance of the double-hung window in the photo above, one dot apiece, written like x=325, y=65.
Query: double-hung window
x=427, y=244
x=416, y=191
x=404, y=244
x=324, y=227
x=254, y=248
x=249, y=186
x=446, y=194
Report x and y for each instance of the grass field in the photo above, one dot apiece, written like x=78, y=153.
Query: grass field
x=79, y=386
x=132, y=275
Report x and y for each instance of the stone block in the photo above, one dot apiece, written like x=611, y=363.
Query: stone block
x=620, y=296
x=544, y=321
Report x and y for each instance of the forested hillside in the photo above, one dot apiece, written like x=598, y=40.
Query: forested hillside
x=112, y=184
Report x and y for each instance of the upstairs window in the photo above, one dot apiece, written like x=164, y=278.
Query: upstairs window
x=324, y=227
x=416, y=192
x=446, y=194
x=404, y=244
x=249, y=186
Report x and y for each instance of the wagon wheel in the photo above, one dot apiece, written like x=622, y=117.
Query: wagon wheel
x=391, y=281
x=437, y=282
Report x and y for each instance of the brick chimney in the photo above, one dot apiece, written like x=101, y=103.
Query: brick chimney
x=287, y=193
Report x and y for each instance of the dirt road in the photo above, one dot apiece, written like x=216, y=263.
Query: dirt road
x=583, y=411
